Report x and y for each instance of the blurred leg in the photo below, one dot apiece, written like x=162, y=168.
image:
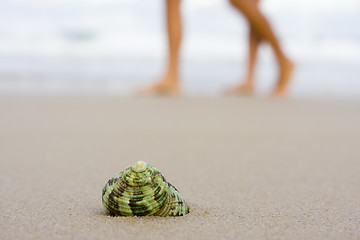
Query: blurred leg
x=174, y=38
x=247, y=84
x=169, y=83
x=260, y=25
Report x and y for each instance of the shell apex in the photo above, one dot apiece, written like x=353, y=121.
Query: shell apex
x=139, y=166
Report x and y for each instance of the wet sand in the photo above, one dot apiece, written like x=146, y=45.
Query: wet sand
x=249, y=168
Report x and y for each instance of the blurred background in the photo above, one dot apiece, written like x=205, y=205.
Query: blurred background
x=113, y=46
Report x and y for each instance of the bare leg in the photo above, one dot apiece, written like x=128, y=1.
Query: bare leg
x=169, y=83
x=247, y=84
x=262, y=28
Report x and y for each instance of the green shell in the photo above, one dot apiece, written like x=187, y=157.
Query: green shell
x=142, y=190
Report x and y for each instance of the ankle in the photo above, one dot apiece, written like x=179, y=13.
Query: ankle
x=170, y=79
x=248, y=81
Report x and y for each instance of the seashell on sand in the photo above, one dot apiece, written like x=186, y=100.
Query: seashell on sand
x=141, y=190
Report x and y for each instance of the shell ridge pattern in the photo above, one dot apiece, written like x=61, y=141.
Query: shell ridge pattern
x=142, y=190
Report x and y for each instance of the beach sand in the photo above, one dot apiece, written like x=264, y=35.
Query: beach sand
x=248, y=168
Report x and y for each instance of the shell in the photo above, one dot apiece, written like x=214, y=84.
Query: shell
x=142, y=190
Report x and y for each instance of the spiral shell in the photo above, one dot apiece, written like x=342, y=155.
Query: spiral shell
x=142, y=190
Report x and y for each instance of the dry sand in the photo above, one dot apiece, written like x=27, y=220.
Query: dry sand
x=249, y=168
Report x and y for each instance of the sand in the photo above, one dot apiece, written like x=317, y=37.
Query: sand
x=249, y=168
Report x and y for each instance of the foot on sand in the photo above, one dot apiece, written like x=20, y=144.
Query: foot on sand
x=163, y=87
x=246, y=88
x=286, y=70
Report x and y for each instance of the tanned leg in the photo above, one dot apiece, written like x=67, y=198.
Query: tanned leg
x=169, y=83
x=247, y=84
x=263, y=29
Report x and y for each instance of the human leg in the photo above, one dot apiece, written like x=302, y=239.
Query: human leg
x=170, y=83
x=261, y=26
x=247, y=84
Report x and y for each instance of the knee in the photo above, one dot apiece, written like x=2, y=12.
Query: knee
x=237, y=3
x=232, y=2
x=242, y=3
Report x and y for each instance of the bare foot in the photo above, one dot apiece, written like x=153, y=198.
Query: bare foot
x=162, y=87
x=281, y=89
x=246, y=88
